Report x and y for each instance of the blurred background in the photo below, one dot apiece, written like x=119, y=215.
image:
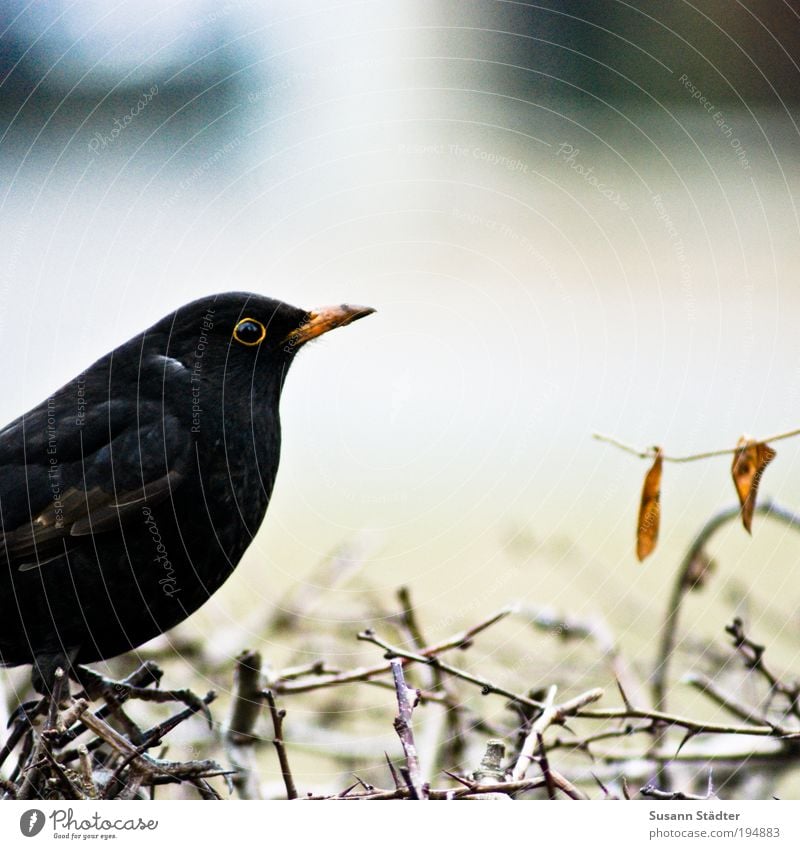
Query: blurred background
x=571, y=217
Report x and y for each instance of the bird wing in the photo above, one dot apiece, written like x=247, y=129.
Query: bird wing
x=65, y=477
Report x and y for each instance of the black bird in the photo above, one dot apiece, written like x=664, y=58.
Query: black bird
x=129, y=496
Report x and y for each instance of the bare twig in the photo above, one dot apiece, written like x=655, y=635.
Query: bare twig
x=753, y=654
x=280, y=747
x=486, y=686
x=9, y=789
x=120, y=766
x=239, y=736
x=552, y=714
x=87, y=773
x=732, y=704
x=459, y=640
x=528, y=747
x=669, y=796
x=22, y=724
x=544, y=763
x=780, y=755
x=682, y=586
x=405, y=731
x=467, y=791
x=318, y=667
x=247, y=697
x=441, y=739
x=597, y=630
x=153, y=736
x=648, y=453
x=565, y=786
x=696, y=727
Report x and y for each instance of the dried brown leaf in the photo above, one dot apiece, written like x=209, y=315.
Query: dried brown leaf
x=650, y=509
x=749, y=462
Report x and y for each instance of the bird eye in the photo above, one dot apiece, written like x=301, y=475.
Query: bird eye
x=249, y=331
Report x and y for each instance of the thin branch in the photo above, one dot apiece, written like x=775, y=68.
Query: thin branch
x=470, y=789
x=443, y=726
x=318, y=667
x=239, y=736
x=596, y=629
x=753, y=654
x=584, y=744
x=460, y=640
x=669, y=796
x=247, y=698
x=567, y=787
x=552, y=714
x=544, y=763
x=688, y=724
x=529, y=746
x=280, y=746
x=485, y=685
x=86, y=772
x=739, y=709
x=22, y=724
x=403, y=727
x=145, y=675
x=649, y=453
x=153, y=736
x=682, y=586
x=778, y=756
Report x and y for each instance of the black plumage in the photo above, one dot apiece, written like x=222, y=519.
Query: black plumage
x=129, y=496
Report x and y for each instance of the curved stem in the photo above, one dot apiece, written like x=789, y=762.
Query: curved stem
x=682, y=585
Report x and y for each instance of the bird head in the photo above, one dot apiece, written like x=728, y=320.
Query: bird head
x=241, y=333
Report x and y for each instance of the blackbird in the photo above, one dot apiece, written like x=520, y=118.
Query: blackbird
x=129, y=496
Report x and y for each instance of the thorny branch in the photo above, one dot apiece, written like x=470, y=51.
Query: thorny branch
x=239, y=737
x=278, y=716
x=683, y=584
x=403, y=727
x=111, y=764
x=462, y=640
x=485, y=684
x=65, y=749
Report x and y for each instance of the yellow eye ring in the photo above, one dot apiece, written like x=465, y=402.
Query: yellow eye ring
x=249, y=331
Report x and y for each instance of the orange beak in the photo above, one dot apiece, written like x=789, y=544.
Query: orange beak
x=322, y=320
